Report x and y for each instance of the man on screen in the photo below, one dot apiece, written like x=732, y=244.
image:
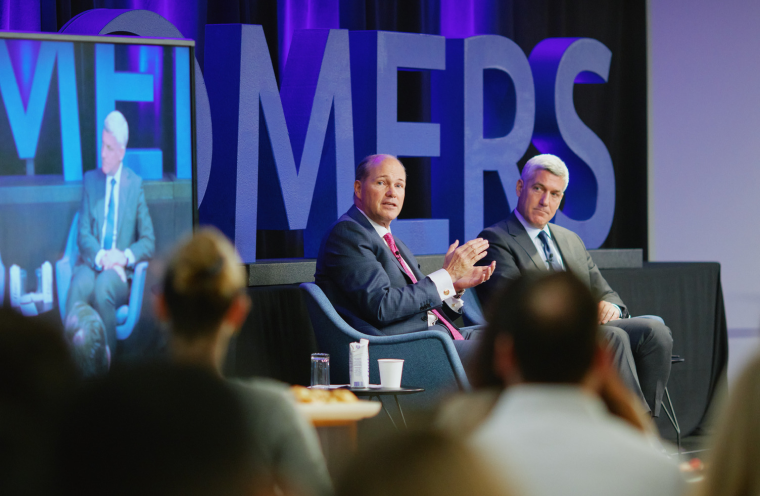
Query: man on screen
x=373, y=279
x=115, y=229
x=524, y=242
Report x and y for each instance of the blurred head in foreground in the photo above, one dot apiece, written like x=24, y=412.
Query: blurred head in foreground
x=418, y=464
x=203, y=297
x=86, y=335
x=542, y=329
x=155, y=430
x=732, y=468
x=37, y=377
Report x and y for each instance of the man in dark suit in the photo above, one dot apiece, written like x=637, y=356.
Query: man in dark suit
x=524, y=242
x=115, y=230
x=372, y=278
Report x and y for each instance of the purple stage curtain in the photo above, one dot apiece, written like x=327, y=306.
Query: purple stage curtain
x=20, y=15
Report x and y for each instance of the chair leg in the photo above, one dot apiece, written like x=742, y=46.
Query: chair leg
x=672, y=417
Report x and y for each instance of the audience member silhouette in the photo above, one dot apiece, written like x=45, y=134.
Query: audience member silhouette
x=423, y=463
x=156, y=430
x=86, y=335
x=205, y=304
x=37, y=376
x=550, y=425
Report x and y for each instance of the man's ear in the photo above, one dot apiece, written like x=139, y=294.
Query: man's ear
x=504, y=362
x=358, y=189
x=159, y=306
x=238, y=311
x=519, y=187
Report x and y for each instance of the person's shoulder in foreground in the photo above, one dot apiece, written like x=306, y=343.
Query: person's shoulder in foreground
x=283, y=436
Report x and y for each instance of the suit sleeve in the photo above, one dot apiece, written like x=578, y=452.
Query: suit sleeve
x=86, y=239
x=351, y=260
x=506, y=269
x=145, y=245
x=599, y=286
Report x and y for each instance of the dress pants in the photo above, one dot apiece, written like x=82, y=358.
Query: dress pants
x=104, y=291
x=642, y=351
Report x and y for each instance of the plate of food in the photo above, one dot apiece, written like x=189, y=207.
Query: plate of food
x=333, y=404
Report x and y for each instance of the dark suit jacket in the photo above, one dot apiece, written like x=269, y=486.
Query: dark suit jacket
x=514, y=252
x=367, y=285
x=134, y=225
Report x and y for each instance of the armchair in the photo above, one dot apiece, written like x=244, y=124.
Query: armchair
x=431, y=361
x=126, y=315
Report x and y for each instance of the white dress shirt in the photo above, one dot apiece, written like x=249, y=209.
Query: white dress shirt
x=115, y=192
x=441, y=278
x=558, y=439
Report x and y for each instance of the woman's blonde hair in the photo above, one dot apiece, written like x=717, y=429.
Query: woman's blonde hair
x=732, y=470
x=204, y=276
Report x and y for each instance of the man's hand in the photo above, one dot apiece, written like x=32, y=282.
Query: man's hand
x=608, y=312
x=476, y=276
x=460, y=262
x=112, y=258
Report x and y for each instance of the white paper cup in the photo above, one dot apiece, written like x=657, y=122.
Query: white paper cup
x=390, y=372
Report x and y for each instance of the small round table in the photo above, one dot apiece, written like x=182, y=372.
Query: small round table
x=376, y=392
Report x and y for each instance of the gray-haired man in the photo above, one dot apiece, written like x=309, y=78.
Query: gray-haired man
x=525, y=242
x=115, y=229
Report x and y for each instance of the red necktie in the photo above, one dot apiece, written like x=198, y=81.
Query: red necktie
x=392, y=245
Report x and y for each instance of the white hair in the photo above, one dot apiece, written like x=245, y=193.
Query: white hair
x=546, y=162
x=117, y=125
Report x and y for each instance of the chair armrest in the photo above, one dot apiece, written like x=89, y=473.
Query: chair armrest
x=63, y=271
x=135, y=301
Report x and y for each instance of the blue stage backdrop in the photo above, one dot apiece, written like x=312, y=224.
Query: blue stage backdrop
x=463, y=91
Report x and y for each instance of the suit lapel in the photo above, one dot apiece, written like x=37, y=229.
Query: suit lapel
x=517, y=231
x=99, y=205
x=571, y=261
x=359, y=217
x=124, y=186
x=410, y=260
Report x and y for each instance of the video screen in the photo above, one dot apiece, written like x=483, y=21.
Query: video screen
x=96, y=184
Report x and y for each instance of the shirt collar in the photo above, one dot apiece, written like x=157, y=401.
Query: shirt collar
x=532, y=231
x=381, y=230
x=116, y=176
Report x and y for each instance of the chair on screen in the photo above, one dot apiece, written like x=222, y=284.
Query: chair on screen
x=126, y=315
x=430, y=359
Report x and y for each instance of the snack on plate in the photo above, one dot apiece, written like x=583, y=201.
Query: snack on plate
x=306, y=395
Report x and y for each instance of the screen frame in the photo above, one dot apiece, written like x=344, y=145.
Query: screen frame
x=136, y=40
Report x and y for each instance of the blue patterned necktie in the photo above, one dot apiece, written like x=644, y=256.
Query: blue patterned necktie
x=108, y=241
x=553, y=261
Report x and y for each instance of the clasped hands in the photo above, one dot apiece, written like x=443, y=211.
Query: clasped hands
x=116, y=260
x=460, y=263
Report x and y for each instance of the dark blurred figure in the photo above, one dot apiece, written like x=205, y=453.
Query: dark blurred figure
x=86, y=335
x=37, y=376
x=418, y=464
x=551, y=425
x=156, y=430
x=732, y=464
x=205, y=304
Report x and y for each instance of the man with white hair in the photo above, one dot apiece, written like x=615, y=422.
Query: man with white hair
x=524, y=242
x=115, y=230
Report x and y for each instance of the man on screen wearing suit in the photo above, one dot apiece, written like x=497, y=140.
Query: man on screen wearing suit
x=372, y=278
x=524, y=242
x=115, y=230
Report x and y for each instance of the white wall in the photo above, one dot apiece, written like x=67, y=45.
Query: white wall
x=704, y=145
